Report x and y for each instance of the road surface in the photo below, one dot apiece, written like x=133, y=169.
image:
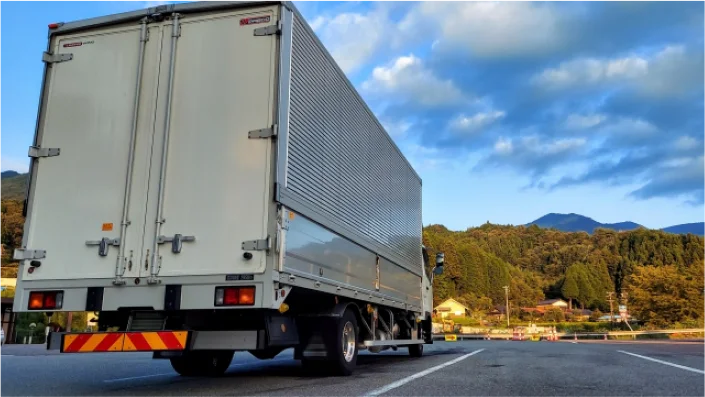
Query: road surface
x=469, y=368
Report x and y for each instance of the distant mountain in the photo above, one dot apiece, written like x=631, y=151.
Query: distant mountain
x=9, y=174
x=580, y=223
x=13, y=185
x=694, y=228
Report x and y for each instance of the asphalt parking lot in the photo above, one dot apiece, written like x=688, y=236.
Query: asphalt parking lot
x=467, y=368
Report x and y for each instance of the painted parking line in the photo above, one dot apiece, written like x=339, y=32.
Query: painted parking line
x=697, y=371
x=138, y=377
x=408, y=379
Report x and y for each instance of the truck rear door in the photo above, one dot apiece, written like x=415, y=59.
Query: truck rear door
x=214, y=190
x=80, y=172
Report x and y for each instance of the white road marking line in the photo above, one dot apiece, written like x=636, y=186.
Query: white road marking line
x=137, y=377
x=697, y=371
x=406, y=380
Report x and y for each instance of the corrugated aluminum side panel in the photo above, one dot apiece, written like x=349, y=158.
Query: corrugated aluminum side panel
x=341, y=162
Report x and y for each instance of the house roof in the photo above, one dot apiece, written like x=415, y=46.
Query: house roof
x=451, y=299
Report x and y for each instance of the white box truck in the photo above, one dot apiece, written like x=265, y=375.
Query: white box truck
x=206, y=179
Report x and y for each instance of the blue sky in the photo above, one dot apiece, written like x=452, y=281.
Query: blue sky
x=508, y=111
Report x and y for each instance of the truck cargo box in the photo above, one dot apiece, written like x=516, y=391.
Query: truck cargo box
x=187, y=147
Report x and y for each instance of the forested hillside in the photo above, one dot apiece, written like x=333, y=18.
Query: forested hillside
x=661, y=273
x=14, y=185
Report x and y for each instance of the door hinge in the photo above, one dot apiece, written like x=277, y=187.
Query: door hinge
x=48, y=57
x=257, y=245
x=104, y=244
x=36, y=152
x=21, y=254
x=264, y=133
x=269, y=30
x=176, y=241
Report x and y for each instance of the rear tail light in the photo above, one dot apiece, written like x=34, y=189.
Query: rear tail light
x=235, y=296
x=49, y=300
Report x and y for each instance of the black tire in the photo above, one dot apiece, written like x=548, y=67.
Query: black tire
x=338, y=361
x=342, y=361
x=203, y=363
x=416, y=350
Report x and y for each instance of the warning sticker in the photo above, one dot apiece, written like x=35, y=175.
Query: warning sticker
x=255, y=20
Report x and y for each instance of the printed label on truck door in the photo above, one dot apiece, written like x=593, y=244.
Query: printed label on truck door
x=255, y=20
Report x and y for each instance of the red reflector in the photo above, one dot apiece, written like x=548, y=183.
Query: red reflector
x=231, y=296
x=53, y=25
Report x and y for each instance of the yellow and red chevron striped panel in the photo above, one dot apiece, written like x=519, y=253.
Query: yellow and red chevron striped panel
x=124, y=341
x=152, y=341
x=83, y=343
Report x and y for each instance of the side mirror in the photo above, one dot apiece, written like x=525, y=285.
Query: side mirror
x=440, y=261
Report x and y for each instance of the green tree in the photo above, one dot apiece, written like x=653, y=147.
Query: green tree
x=570, y=288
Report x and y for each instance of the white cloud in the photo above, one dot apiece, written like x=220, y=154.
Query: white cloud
x=476, y=121
x=677, y=162
x=533, y=146
x=669, y=72
x=588, y=71
x=672, y=72
x=408, y=79
x=396, y=129
x=354, y=38
x=686, y=143
x=579, y=122
x=632, y=126
x=503, y=146
x=487, y=29
x=317, y=22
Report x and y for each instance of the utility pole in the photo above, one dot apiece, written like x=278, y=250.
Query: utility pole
x=610, y=300
x=506, y=295
x=626, y=320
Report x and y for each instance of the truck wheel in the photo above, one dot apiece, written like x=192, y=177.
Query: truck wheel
x=203, y=363
x=344, y=354
x=416, y=350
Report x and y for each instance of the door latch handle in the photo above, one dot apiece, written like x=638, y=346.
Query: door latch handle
x=104, y=244
x=176, y=241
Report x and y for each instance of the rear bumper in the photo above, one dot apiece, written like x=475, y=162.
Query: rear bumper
x=155, y=341
x=175, y=293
